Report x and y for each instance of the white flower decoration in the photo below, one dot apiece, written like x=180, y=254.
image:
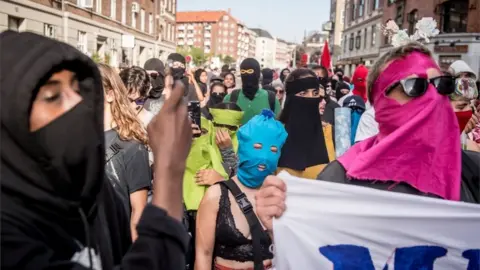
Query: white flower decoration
x=426, y=27
x=400, y=38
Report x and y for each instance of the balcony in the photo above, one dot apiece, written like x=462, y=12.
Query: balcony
x=181, y=27
x=206, y=50
x=190, y=35
x=181, y=43
x=190, y=42
x=181, y=35
x=208, y=35
x=190, y=27
x=208, y=27
x=207, y=42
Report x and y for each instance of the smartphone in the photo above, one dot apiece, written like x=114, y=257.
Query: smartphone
x=195, y=114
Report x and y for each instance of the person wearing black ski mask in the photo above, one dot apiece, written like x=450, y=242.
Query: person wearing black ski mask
x=58, y=211
x=176, y=64
x=251, y=99
x=304, y=153
x=155, y=99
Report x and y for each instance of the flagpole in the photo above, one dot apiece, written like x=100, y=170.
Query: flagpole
x=294, y=61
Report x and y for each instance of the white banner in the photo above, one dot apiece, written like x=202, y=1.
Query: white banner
x=344, y=227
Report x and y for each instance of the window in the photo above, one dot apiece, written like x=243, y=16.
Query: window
x=350, y=45
x=15, y=24
x=49, y=31
x=365, y=38
x=142, y=20
x=376, y=4
x=113, y=9
x=352, y=12
x=399, y=16
x=134, y=19
x=232, y=34
x=454, y=16
x=361, y=4
x=225, y=17
x=358, y=40
x=412, y=19
x=82, y=41
x=345, y=44
x=390, y=2
x=150, y=23
x=343, y=16
x=374, y=35
x=124, y=11
x=98, y=6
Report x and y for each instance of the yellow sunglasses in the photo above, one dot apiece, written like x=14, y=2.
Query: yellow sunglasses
x=247, y=71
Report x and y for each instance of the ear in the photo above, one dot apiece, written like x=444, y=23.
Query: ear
x=109, y=96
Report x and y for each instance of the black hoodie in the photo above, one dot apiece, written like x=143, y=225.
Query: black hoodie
x=49, y=214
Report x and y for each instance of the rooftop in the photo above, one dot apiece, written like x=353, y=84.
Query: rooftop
x=200, y=16
x=262, y=33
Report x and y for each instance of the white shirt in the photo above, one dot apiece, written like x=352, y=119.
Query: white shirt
x=367, y=127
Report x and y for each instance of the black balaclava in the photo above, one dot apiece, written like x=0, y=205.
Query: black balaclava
x=178, y=73
x=267, y=77
x=54, y=176
x=158, y=84
x=250, y=73
x=338, y=88
x=203, y=86
x=282, y=76
x=305, y=145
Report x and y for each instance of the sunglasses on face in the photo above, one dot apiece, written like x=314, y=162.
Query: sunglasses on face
x=138, y=101
x=280, y=92
x=415, y=87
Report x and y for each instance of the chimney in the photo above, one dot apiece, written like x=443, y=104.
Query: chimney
x=229, y=11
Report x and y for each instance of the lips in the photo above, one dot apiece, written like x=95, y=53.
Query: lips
x=261, y=167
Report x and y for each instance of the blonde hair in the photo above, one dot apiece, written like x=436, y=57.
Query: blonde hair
x=128, y=125
x=393, y=54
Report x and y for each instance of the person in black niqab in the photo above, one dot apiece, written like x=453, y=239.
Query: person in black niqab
x=57, y=210
x=200, y=80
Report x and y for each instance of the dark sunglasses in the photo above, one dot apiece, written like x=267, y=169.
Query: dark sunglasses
x=138, y=101
x=415, y=87
x=280, y=91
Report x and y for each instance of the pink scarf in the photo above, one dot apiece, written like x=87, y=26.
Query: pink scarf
x=418, y=142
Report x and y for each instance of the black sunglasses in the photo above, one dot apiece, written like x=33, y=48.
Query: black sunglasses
x=415, y=87
x=138, y=101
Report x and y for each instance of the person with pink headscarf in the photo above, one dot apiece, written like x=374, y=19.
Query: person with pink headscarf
x=417, y=148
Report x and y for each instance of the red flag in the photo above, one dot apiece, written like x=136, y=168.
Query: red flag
x=325, y=60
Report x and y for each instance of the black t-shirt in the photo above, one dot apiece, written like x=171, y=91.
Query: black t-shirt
x=128, y=170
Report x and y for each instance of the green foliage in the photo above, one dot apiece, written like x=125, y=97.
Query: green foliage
x=182, y=50
x=107, y=59
x=198, y=56
x=228, y=60
x=96, y=58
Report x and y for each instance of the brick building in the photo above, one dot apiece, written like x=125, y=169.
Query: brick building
x=361, y=33
x=118, y=31
x=458, y=22
x=216, y=32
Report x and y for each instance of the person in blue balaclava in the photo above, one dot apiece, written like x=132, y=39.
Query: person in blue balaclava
x=357, y=105
x=222, y=229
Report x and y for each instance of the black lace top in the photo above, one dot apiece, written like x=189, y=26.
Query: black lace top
x=230, y=243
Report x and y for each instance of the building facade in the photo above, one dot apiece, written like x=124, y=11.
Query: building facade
x=216, y=32
x=243, y=43
x=362, y=34
x=335, y=27
x=282, y=54
x=458, y=22
x=112, y=31
x=265, y=51
x=252, y=42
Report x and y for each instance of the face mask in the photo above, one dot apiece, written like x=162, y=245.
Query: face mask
x=463, y=118
x=178, y=73
x=249, y=173
x=217, y=97
x=72, y=147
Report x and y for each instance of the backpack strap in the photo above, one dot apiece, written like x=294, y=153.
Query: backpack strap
x=271, y=100
x=234, y=96
x=255, y=227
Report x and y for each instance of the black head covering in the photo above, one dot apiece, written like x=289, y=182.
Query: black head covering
x=176, y=57
x=329, y=113
x=178, y=73
x=203, y=86
x=53, y=177
x=267, y=76
x=250, y=82
x=338, y=70
x=305, y=145
x=159, y=82
x=354, y=102
x=338, y=88
x=282, y=76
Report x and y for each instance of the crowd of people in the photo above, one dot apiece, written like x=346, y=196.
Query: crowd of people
x=108, y=169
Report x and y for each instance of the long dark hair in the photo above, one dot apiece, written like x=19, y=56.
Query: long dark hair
x=297, y=74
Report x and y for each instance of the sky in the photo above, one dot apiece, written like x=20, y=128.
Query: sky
x=285, y=19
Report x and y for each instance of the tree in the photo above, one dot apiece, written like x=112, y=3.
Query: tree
x=198, y=56
x=228, y=60
x=182, y=50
